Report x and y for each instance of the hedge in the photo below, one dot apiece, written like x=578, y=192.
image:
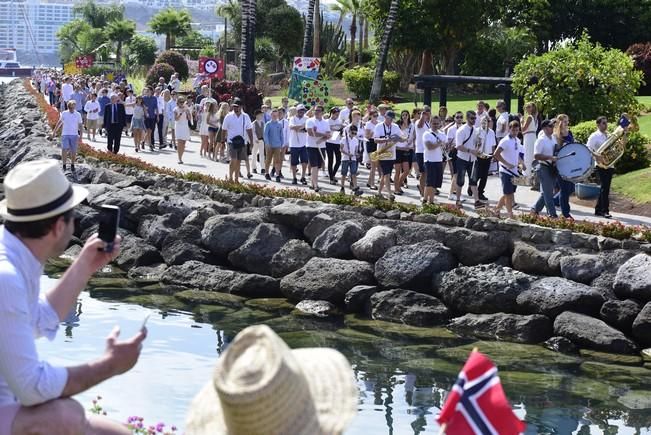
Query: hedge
x=359, y=81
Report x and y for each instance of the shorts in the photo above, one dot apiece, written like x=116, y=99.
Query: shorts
x=371, y=146
x=273, y=154
x=349, y=164
x=433, y=170
x=420, y=161
x=507, y=184
x=93, y=124
x=69, y=143
x=404, y=156
x=7, y=417
x=386, y=167
x=213, y=129
x=137, y=124
x=314, y=157
x=463, y=168
x=236, y=154
x=150, y=123
x=297, y=155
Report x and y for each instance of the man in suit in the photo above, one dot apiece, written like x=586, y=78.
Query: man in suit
x=114, y=121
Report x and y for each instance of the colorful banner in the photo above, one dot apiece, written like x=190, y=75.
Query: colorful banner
x=86, y=61
x=307, y=66
x=213, y=68
x=295, y=90
x=71, y=68
x=315, y=93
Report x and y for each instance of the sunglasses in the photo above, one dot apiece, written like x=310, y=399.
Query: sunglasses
x=318, y=110
x=458, y=117
x=472, y=118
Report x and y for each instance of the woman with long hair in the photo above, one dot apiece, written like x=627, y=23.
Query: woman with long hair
x=563, y=136
x=213, y=128
x=182, y=119
x=371, y=146
x=224, y=108
x=204, y=133
x=529, y=134
x=138, y=123
x=404, y=151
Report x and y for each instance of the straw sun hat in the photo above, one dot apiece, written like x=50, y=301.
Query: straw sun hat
x=261, y=386
x=38, y=190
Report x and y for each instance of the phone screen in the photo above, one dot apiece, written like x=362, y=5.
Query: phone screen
x=109, y=217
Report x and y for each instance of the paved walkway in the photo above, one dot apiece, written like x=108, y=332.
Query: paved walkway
x=194, y=163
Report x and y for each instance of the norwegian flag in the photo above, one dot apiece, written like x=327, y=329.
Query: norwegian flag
x=477, y=403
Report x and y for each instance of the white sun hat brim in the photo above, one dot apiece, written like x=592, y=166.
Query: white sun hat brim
x=78, y=195
x=333, y=392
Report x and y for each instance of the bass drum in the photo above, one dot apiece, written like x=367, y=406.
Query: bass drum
x=575, y=162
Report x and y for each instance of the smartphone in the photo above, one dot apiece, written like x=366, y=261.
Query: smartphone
x=109, y=218
x=144, y=322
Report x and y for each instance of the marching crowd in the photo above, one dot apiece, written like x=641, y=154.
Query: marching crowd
x=335, y=144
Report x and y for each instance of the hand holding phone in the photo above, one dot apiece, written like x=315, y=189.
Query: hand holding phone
x=109, y=218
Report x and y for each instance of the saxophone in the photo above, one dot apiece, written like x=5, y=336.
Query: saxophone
x=612, y=149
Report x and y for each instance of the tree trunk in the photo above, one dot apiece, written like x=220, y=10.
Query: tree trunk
x=118, y=54
x=245, y=74
x=360, y=43
x=353, y=33
x=252, y=25
x=426, y=67
x=316, y=43
x=168, y=41
x=366, y=34
x=383, y=52
x=309, y=25
x=450, y=55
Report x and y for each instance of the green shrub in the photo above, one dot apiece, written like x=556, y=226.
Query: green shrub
x=177, y=61
x=95, y=71
x=582, y=79
x=360, y=79
x=159, y=70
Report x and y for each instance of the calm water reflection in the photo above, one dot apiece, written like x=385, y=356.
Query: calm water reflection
x=402, y=381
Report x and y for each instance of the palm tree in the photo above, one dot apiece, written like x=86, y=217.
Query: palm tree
x=99, y=16
x=172, y=24
x=247, y=45
x=316, y=24
x=352, y=7
x=120, y=31
x=383, y=52
x=309, y=27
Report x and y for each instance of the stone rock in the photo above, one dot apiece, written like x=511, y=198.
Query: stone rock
x=604, y=284
x=318, y=224
x=528, y=259
x=135, y=251
x=290, y=257
x=222, y=234
x=335, y=241
x=408, y=307
x=413, y=266
x=155, y=229
x=642, y=326
x=592, y=333
x=581, y=268
x=551, y=296
x=256, y=253
x=633, y=279
x=317, y=308
x=86, y=217
x=199, y=217
x=195, y=297
x=375, y=243
x=483, y=289
x=562, y=345
x=178, y=251
x=181, y=205
x=293, y=215
x=134, y=202
x=326, y=279
x=474, y=247
x=147, y=274
x=203, y=276
x=620, y=314
x=357, y=298
x=504, y=327
x=408, y=233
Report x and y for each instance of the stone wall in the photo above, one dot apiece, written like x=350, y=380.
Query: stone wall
x=480, y=277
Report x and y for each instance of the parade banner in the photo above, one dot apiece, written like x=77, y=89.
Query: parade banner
x=70, y=68
x=213, y=68
x=307, y=66
x=295, y=90
x=85, y=61
x=315, y=93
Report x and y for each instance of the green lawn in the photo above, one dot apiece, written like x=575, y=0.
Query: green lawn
x=635, y=185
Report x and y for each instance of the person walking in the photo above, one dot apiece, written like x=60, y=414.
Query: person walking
x=507, y=155
x=596, y=139
x=333, y=144
x=433, y=141
x=72, y=129
x=92, y=116
x=138, y=124
x=529, y=135
x=114, y=121
x=274, y=141
x=238, y=131
x=544, y=154
x=297, y=144
x=182, y=120
x=318, y=132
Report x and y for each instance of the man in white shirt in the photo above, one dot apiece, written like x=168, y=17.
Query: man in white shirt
x=318, y=131
x=452, y=154
x=175, y=83
x=297, y=144
x=238, y=130
x=482, y=113
x=92, y=115
x=35, y=396
x=483, y=163
x=422, y=126
x=72, y=127
x=595, y=141
x=344, y=114
x=543, y=151
x=433, y=140
x=466, y=140
x=386, y=136
x=507, y=154
x=502, y=127
x=129, y=104
x=66, y=90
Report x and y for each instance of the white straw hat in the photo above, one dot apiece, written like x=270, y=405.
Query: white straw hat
x=262, y=387
x=38, y=190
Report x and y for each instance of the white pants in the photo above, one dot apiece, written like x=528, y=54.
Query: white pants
x=529, y=143
x=257, y=151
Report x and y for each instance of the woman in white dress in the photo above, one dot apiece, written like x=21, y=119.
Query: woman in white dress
x=529, y=129
x=204, y=133
x=182, y=116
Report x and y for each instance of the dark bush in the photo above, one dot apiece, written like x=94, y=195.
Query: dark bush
x=177, y=61
x=359, y=81
x=159, y=70
x=225, y=90
x=641, y=54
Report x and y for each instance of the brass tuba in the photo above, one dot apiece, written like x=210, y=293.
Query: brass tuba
x=612, y=149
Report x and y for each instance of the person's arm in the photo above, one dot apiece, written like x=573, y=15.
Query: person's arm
x=538, y=155
x=527, y=122
x=249, y=132
x=498, y=156
x=265, y=133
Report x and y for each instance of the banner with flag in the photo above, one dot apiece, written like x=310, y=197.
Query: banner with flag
x=477, y=404
x=83, y=62
x=211, y=67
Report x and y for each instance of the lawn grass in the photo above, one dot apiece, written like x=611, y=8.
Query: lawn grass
x=635, y=185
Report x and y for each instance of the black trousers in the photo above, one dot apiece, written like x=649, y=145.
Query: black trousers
x=605, y=178
x=480, y=173
x=159, y=126
x=113, y=136
x=334, y=158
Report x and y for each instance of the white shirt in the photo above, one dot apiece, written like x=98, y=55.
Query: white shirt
x=544, y=145
x=533, y=126
x=349, y=145
x=465, y=137
x=176, y=85
x=488, y=140
x=129, y=103
x=596, y=139
x=420, y=147
x=90, y=108
x=480, y=117
x=71, y=123
x=452, y=134
x=409, y=133
x=502, y=127
x=511, y=149
x=370, y=128
x=383, y=131
x=435, y=155
x=344, y=115
x=24, y=316
x=66, y=91
x=336, y=125
x=297, y=139
x=237, y=126
x=321, y=126
x=161, y=104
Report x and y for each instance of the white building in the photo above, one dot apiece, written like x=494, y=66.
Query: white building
x=31, y=25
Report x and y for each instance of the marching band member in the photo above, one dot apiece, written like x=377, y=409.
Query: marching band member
x=434, y=140
x=297, y=144
x=371, y=146
x=404, y=151
x=318, y=131
x=529, y=129
x=451, y=131
x=384, y=136
x=507, y=154
x=422, y=126
x=483, y=162
x=563, y=136
x=465, y=139
x=595, y=141
x=544, y=154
